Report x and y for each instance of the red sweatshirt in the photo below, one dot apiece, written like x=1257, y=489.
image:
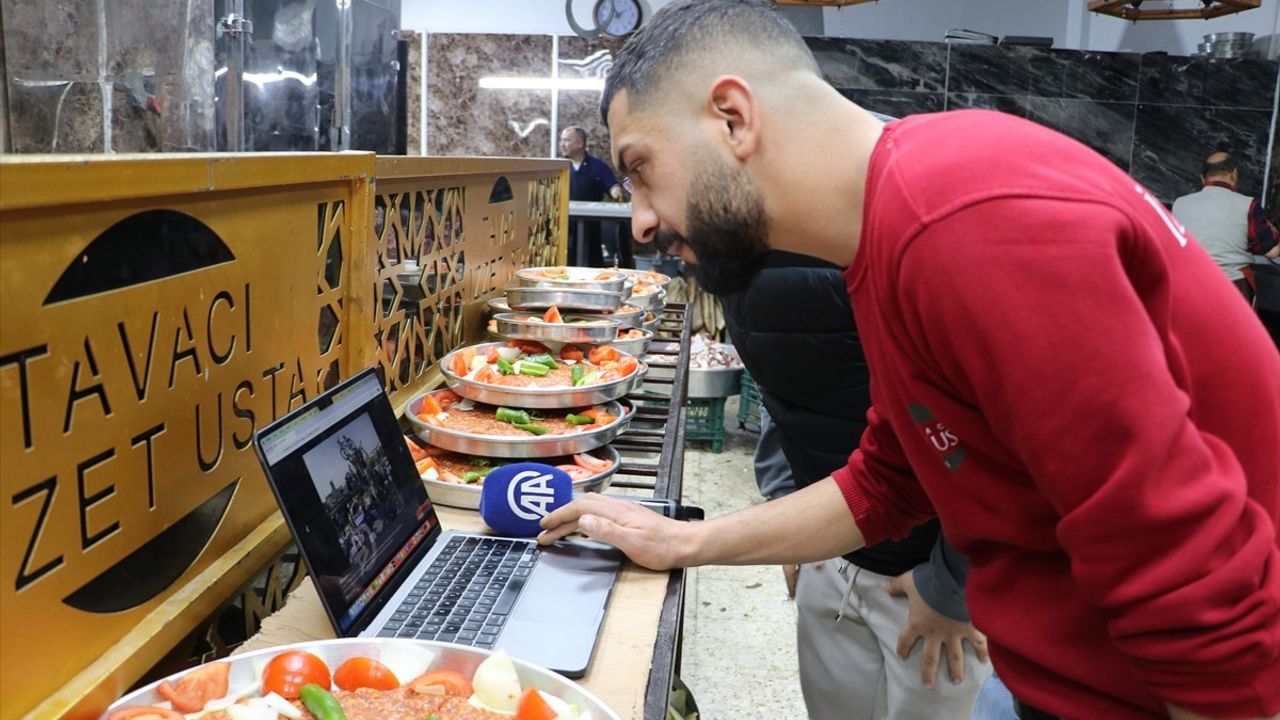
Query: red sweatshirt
x=1089, y=406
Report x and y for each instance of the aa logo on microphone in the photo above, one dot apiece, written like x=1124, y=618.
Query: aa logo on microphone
x=530, y=495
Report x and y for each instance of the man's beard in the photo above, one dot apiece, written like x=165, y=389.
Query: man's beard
x=728, y=228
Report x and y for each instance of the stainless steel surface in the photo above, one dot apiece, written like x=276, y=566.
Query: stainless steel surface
x=233, y=28
x=340, y=124
x=512, y=325
x=714, y=383
x=534, y=398
x=244, y=670
x=628, y=318
x=636, y=347
x=661, y=281
x=499, y=304
x=651, y=301
x=524, y=448
x=468, y=496
x=652, y=325
x=583, y=278
x=536, y=298
x=1229, y=37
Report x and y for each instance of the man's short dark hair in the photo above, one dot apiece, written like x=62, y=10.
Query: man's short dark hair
x=580, y=132
x=1224, y=166
x=754, y=26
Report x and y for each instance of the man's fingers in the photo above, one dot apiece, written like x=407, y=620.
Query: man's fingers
x=955, y=660
x=980, y=646
x=893, y=586
x=929, y=663
x=546, y=537
x=907, y=640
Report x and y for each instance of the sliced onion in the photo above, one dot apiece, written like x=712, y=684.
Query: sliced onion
x=497, y=686
x=406, y=660
x=508, y=353
x=464, y=405
x=562, y=709
x=282, y=706
x=251, y=711
x=433, y=475
x=478, y=362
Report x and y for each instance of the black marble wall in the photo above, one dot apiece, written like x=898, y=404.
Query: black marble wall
x=1153, y=115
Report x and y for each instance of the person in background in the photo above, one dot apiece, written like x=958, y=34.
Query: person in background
x=1058, y=374
x=859, y=616
x=590, y=180
x=1231, y=227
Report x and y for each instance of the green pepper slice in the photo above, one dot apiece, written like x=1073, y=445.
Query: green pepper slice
x=530, y=427
x=505, y=367
x=321, y=703
x=507, y=415
x=573, y=419
x=576, y=374
x=474, y=476
x=533, y=369
x=543, y=359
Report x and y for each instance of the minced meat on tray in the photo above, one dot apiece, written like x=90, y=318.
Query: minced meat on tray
x=401, y=704
x=482, y=421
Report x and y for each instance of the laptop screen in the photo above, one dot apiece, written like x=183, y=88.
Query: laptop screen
x=348, y=489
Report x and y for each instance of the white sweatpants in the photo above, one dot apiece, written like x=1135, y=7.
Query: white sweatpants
x=850, y=670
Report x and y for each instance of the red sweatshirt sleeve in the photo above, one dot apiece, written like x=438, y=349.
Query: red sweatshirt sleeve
x=881, y=490
x=1041, y=323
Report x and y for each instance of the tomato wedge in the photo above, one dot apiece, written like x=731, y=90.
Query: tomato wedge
x=193, y=690
x=591, y=463
x=145, y=713
x=289, y=671
x=627, y=365
x=602, y=354
x=451, y=682
x=571, y=352
x=599, y=415
x=533, y=707
x=552, y=315
x=425, y=464
x=606, y=275
x=416, y=452
x=491, y=355
x=486, y=375
x=576, y=472
x=430, y=406
x=363, y=672
x=529, y=347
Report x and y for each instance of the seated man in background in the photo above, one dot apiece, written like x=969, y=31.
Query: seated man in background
x=1231, y=227
x=855, y=637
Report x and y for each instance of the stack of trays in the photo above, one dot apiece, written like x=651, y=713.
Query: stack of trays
x=524, y=400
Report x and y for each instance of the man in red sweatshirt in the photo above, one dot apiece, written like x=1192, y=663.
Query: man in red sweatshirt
x=1088, y=405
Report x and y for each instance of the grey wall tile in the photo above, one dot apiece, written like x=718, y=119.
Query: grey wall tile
x=51, y=39
x=1217, y=82
x=1011, y=104
x=898, y=103
x=56, y=117
x=1110, y=77
x=1105, y=127
x=881, y=64
x=1171, y=142
x=1002, y=70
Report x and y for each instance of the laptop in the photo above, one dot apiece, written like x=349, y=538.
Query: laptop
x=372, y=542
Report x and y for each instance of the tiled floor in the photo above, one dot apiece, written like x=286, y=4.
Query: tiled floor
x=739, y=636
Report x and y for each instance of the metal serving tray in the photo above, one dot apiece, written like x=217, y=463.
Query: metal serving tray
x=536, y=398
x=245, y=668
x=468, y=496
x=512, y=325
x=636, y=347
x=628, y=318
x=531, y=447
x=499, y=304
x=652, y=301
x=632, y=275
x=652, y=325
x=582, y=278
x=541, y=298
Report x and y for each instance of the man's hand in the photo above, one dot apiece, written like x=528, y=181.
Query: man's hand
x=648, y=538
x=937, y=631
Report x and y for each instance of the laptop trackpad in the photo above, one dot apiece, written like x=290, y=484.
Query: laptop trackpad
x=570, y=586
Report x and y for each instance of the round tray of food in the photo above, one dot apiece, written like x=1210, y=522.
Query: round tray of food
x=627, y=315
x=362, y=678
x=525, y=374
x=446, y=420
x=567, y=298
x=583, y=278
x=630, y=340
x=651, y=322
x=551, y=326
x=456, y=479
x=498, y=304
x=647, y=297
x=646, y=277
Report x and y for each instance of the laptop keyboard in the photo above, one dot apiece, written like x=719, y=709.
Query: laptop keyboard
x=467, y=593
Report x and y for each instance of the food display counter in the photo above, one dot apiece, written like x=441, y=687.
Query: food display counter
x=158, y=310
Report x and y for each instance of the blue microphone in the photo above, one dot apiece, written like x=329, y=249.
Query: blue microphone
x=515, y=497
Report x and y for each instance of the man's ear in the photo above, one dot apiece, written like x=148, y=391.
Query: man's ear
x=733, y=105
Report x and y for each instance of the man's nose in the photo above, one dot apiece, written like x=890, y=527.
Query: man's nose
x=644, y=221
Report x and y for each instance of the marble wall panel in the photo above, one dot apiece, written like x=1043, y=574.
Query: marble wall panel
x=1108, y=77
x=56, y=117
x=1171, y=142
x=1105, y=127
x=581, y=58
x=881, y=64
x=896, y=103
x=1215, y=82
x=1002, y=70
x=1012, y=104
x=464, y=119
x=413, y=94
x=52, y=39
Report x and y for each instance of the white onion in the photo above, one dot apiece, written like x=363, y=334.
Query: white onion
x=251, y=711
x=433, y=475
x=282, y=706
x=478, y=362
x=508, y=353
x=497, y=686
x=464, y=405
x=407, y=660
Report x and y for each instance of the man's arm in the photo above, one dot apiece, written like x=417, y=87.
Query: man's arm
x=1039, y=323
x=1263, y=238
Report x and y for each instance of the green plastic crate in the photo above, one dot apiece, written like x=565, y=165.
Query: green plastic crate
x=705, y=421
x=749, y=404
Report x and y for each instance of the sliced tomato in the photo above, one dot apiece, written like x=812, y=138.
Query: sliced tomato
x=193, y=690
x=529, y=347
x=606, y=275
x=145, y=713
x=451, y=682
x=491, y=355
x=554, y=271
x=429, y=406
x=416, y=452
x=289, y=671
x=486, y=375
x=576, y=472
x=426, y=464
x=592, y=463
x=599, y=415
x=446, y=476
x=364, y=672
x=461, y=363
x=533, y=707
x=552, y=315
x=446, y=398
x=571, y=352
x=602, y=354
x=627, y=365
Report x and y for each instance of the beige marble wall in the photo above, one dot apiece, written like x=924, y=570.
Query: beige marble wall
x=580, y=58
x=465, y=119
x=413, y=93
